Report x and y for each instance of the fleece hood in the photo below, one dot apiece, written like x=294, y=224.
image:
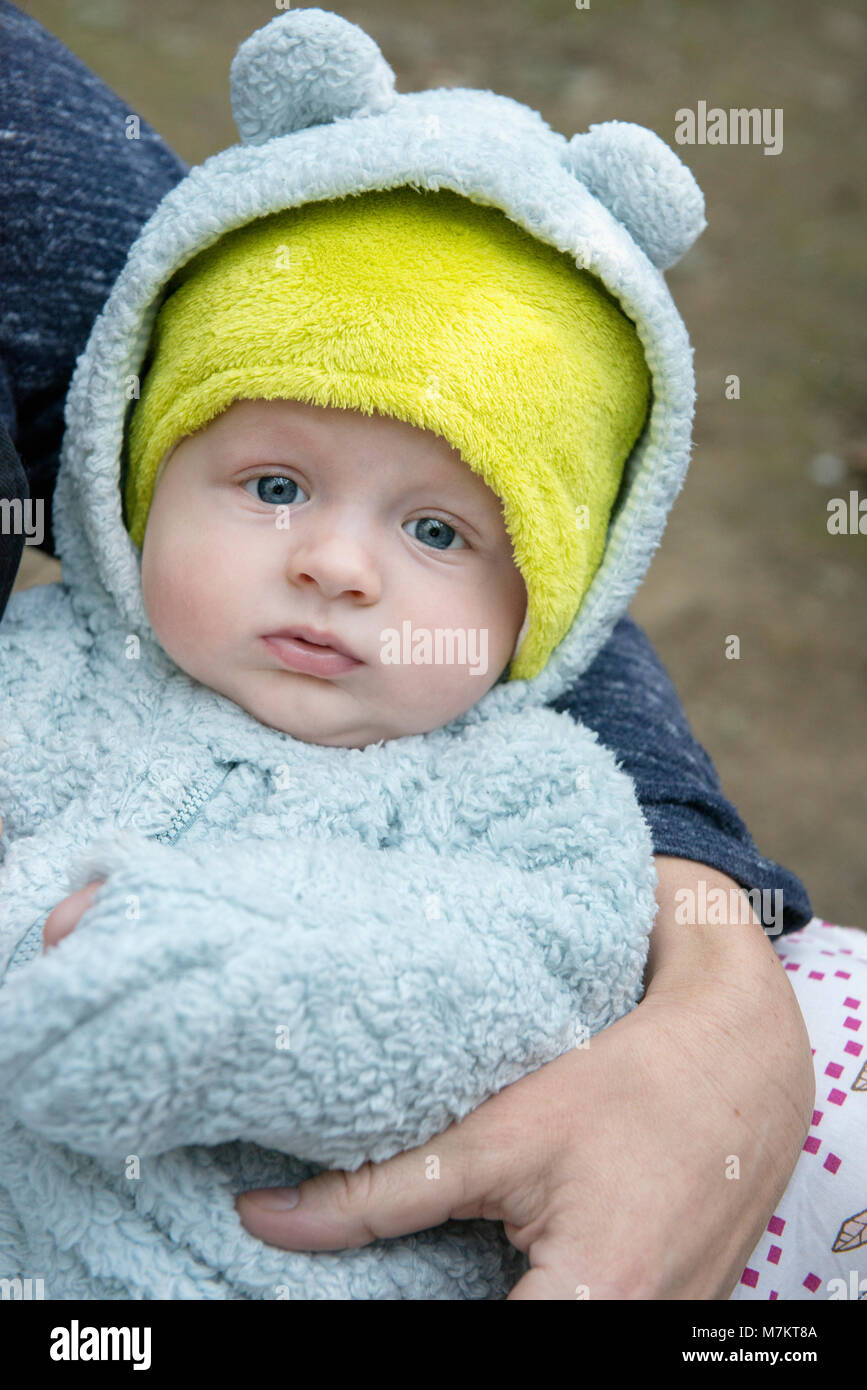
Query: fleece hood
x=318, y=116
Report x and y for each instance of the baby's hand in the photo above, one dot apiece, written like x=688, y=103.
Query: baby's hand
x=64, y=918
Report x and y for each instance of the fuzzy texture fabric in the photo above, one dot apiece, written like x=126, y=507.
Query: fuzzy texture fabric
x=303, y=956
x=430, y=309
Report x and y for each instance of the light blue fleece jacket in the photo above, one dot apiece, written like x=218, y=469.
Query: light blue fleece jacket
x=308, y=957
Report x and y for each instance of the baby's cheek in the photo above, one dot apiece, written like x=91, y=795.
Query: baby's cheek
x=179, y=597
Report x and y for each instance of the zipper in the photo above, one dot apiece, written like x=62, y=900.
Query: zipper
x=28, y=944
x=191, y=806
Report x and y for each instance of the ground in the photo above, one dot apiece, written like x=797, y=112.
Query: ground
x=770, y=293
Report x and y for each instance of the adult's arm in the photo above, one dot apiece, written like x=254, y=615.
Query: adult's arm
x=628, y=699
x=76, y=193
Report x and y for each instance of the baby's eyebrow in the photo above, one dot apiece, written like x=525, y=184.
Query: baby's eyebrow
x=239, y=454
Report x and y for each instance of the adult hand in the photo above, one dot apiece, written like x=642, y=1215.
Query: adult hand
x=611, y=1167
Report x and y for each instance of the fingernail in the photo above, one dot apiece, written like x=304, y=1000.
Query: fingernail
x=275, y=1198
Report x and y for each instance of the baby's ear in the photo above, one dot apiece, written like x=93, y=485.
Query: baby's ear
x=643, y=183
x=305, y=68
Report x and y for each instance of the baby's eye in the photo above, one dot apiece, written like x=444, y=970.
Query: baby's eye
x=438, y=533
x=274, y=487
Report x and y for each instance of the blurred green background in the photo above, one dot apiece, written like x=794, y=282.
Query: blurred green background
x=773, y=292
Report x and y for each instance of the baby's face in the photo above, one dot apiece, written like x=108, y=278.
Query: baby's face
x=281, y=515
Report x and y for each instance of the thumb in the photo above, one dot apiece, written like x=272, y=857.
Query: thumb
x=448, y=1177
x=496, y=1163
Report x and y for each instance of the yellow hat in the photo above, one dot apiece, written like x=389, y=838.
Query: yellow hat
x=437, y=311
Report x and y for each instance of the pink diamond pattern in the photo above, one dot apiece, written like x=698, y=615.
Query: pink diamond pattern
x=836, y=1097
x=812, y=1145
x=775, y=1225
x=750, y=1277
x=774, y=1254
x=812, y=1282
x=833, y=1069
x=832, y=1163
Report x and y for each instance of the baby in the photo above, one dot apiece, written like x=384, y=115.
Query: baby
x=338, y=894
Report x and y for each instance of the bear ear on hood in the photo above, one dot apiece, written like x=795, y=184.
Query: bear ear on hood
x=643, y=183
x=306, y=68
x=311, y=67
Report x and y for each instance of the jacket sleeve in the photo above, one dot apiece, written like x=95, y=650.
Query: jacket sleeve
x=628, y=699
x=329, y=999
x=48, y=302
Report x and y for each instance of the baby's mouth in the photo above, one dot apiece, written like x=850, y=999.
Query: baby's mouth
x=308, y=657
x=316, y=640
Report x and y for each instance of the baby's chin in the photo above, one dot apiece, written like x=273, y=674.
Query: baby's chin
x=324, y=713
x=312, y=710
x=327, y=738
x=305, y=714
